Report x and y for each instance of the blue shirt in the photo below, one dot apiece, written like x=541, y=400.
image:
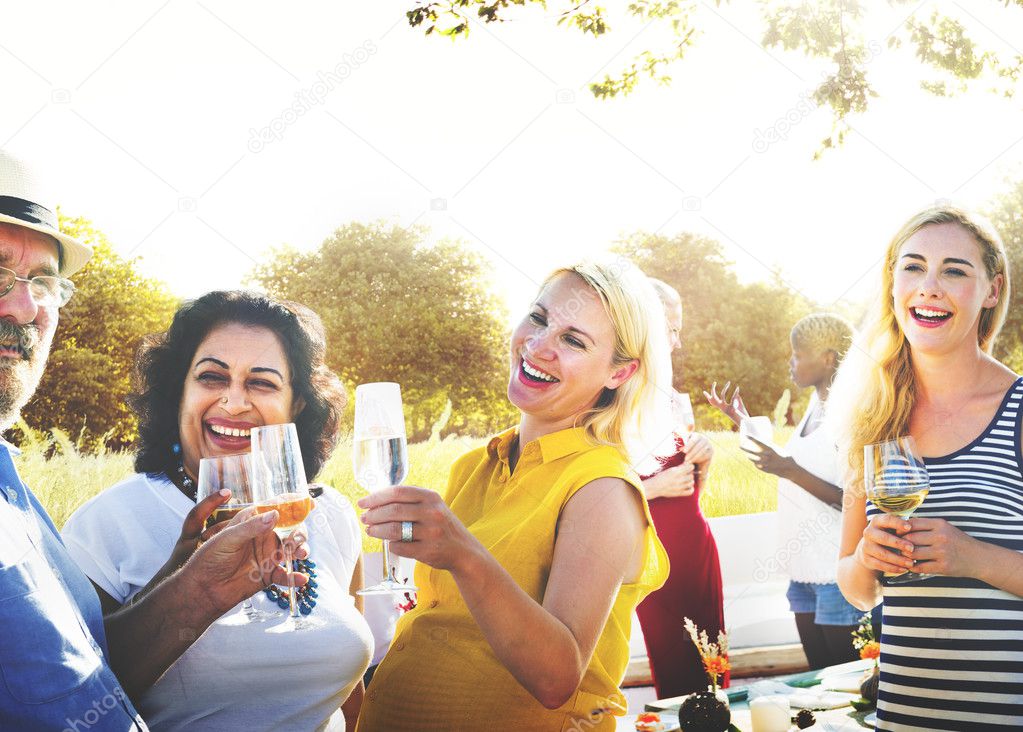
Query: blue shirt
x=53, y=669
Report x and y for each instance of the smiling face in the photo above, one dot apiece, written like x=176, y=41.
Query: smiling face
x=239, y=378
x=940, y=288
x=562, y=355
x=26, y=329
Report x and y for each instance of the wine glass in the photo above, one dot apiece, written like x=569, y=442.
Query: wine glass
x=897, y=482
x=279, y=484
x=758, y=427
x=380, y=457
x=234, y=473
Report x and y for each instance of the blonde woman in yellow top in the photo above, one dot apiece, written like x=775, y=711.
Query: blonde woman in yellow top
x=533, y=559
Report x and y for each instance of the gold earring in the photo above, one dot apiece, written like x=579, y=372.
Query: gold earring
x=223, y=400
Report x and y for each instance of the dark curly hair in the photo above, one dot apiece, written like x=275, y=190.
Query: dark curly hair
x=163, y=360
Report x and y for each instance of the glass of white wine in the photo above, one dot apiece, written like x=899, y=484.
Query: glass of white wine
x=279, y=484
x=380, y=457
x=897, y=482
x=232, y=472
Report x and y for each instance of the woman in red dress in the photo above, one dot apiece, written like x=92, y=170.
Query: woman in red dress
x=693, y=589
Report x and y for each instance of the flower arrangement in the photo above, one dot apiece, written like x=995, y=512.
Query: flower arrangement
x=713, y=655
x=864, y=641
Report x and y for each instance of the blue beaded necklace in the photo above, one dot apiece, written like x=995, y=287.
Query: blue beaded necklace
x=305, y=595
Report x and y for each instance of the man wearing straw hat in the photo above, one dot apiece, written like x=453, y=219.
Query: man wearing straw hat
x=58, y=654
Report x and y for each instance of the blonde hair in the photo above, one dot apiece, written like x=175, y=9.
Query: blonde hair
x=820, y=332
x=875, y=388
x=623, y=417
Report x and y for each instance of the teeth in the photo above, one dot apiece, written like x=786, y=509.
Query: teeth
x=928, y=313
x=229, y=431
x=536, y=373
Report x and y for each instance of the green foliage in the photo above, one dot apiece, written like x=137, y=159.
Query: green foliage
x=730, y=332
x=781, y=409
x=1006, y=213
x=832, y=31
x=88, y=376
x=396, y=309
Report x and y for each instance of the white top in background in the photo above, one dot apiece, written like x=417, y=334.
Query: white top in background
x=236, y=675
x=809, y=530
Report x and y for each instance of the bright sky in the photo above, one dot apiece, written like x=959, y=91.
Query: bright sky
x=152, y=115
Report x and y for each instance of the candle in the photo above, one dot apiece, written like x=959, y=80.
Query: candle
x=770, y=714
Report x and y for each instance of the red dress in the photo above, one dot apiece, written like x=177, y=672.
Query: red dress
x=693, y=590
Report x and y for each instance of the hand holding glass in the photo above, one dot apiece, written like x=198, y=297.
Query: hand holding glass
x=233, y=472
x=380, y=456
x=279, y=484
x=896, y=482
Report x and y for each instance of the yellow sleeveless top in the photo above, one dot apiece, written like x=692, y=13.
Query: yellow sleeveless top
x=440, y=672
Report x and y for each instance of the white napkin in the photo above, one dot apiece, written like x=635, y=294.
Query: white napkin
x=812, y=698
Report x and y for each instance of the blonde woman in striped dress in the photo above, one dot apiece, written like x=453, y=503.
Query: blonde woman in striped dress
x=952, y=645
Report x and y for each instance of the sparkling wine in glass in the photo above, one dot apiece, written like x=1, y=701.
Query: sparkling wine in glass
x=232, y=472
x=896, y=482
x=279, y=484
x=380, y=457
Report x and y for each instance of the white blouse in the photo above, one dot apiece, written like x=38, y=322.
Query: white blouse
x=236, y=675
x=809, y=530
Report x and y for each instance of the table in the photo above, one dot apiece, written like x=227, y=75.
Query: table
x=844, y=719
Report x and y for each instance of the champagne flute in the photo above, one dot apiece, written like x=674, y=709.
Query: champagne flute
x=380, y=457
x=897, y=482
x=279, y=484
x=234, y=473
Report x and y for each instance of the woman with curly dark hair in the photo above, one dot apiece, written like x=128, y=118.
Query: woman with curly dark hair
x=231, y=362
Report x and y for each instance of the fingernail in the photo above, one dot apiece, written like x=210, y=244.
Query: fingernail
x=269, y=517
x=224, y=492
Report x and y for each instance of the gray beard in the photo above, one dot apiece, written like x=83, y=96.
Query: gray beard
x=19, y=378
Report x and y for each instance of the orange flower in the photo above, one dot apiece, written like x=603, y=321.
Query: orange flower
x=870, y=650
x=716, y=665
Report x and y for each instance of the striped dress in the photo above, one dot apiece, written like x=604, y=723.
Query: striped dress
x=952, y=647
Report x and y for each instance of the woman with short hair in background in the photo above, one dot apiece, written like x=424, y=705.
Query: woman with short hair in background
x=809, y=494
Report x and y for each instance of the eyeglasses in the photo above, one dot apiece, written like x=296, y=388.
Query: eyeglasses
x=46, y=290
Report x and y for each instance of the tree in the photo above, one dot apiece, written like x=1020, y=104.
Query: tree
x=88, y=377
x=730, y=331
x=397, y=309
x=1006, y=213
x=829, y=30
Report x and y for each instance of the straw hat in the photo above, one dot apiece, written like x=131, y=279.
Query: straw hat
x=25, y=201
